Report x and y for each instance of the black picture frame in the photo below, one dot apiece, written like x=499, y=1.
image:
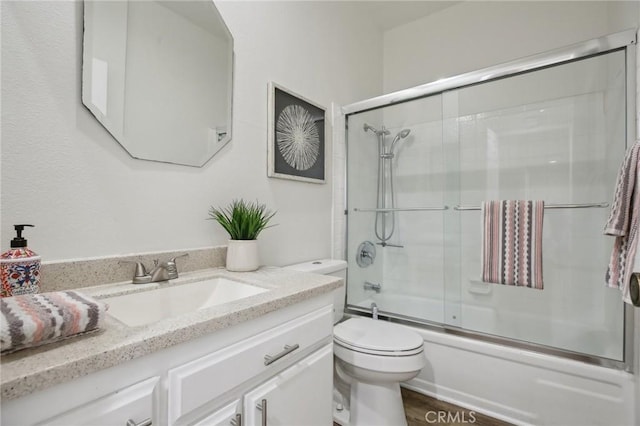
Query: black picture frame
x=296, y=142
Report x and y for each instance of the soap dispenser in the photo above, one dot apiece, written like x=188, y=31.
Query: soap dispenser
x=19, y=268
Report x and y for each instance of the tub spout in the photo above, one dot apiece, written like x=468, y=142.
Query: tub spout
x=374, y=311
x=372, y=286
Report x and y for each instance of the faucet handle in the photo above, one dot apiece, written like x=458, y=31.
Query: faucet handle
x=172, y=268
x=179, y=256
x=140, y=276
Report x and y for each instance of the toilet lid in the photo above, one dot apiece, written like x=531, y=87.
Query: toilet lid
x=376, y=336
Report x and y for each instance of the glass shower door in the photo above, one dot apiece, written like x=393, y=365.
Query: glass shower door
x=558, y=135
x=395, y=187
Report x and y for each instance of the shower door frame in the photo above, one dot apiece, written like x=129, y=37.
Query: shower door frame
x=625, y=40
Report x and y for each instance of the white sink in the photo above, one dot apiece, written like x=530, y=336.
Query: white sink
x=150, y=306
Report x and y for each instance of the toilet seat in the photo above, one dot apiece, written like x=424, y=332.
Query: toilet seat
x=379, y=338
x=374, y=352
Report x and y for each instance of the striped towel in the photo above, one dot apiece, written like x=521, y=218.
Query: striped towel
x=623, y=224
x=36, y=319
x=512, y=242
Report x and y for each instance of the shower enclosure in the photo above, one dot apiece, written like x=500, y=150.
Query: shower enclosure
x=420, y=163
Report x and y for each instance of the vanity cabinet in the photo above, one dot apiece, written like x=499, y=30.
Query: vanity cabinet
x=133, y=403
x=229, y=415
x=297, y=396
x=301, y=347
x=284, y=357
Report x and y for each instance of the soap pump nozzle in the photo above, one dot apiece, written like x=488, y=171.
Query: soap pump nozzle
x=18, y=241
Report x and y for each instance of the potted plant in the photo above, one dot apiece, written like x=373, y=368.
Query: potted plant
x=243, y=221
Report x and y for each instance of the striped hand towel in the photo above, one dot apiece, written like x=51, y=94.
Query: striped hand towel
x=623, y=224
x=36, y=319
x=512, y=242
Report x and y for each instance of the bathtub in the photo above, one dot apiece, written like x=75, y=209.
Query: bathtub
x=519, y=386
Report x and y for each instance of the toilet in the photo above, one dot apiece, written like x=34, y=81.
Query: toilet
x=371, y=358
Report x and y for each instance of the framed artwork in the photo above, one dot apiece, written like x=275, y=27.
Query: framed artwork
x=296, y=142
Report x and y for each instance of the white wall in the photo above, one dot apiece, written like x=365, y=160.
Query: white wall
x=477, y=34
x=63, y=172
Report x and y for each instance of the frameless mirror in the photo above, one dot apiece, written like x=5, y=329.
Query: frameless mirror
x=158, y=75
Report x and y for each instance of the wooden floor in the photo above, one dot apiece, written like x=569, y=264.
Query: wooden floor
x=423, y=410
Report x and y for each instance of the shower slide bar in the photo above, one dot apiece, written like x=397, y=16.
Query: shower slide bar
x=547, y=206
x=410, y=209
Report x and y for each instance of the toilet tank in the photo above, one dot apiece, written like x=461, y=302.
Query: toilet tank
x=333, y=267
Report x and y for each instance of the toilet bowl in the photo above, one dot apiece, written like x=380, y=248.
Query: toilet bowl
x=371, y=358
x=374, y=357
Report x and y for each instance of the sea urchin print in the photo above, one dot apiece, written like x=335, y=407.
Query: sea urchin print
x=297, y=137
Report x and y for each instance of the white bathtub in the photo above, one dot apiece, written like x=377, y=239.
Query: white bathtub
x=516, y=385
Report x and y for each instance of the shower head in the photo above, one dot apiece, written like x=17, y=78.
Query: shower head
x=368, y=127
x=401, y=135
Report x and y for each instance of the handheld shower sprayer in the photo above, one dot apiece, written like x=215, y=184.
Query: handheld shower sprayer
x=391, y=152
x=401, y=135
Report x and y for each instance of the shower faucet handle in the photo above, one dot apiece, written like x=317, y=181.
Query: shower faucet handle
x=366, y=254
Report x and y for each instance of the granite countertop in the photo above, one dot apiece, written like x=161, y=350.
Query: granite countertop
x=30, y=370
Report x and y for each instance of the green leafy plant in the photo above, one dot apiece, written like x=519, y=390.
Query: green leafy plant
x=242, y=220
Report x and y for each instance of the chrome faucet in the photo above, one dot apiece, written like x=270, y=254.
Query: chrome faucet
x=372, y=286
x=162, y=271
x=374, y=311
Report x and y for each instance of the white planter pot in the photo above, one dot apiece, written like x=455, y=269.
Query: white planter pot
x=242, y=255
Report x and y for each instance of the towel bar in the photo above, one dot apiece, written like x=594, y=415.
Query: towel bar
x=409, y=209
x=546, y=206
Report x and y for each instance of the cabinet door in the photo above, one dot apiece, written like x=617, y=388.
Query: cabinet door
x=225, y=416
x=202, y=380
x=132, y=403
x=300, y=395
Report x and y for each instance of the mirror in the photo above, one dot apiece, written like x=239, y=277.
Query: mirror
x=158, y=75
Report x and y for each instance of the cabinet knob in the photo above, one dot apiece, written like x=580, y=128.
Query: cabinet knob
x=145, y=422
